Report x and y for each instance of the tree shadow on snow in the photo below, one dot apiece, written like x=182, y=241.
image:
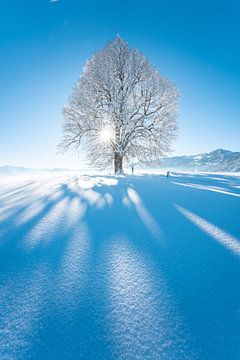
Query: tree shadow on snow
x=120, y=268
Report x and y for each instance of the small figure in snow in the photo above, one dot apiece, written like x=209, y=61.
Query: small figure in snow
x=168, y=173
x=132, y=169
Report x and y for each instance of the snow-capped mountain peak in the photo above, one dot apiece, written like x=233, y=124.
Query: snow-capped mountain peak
x=217, y=160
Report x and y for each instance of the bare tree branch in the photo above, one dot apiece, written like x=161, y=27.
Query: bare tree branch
x=121, y=91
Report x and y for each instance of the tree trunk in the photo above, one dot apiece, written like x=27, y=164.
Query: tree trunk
x=118, y=162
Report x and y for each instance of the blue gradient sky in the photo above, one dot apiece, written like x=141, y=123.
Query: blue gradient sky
x=44, y=45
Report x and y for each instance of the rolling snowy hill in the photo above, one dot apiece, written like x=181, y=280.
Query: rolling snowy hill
x=219, y=160
x=119, y=268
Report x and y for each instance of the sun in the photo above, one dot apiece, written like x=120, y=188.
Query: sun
x=105, y=135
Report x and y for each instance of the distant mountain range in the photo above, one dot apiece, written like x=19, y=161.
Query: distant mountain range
x=8, y=170
x=217, y=160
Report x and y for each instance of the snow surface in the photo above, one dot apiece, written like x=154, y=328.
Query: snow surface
x=104, y=267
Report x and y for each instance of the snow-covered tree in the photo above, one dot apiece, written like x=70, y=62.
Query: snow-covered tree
x=120, y=108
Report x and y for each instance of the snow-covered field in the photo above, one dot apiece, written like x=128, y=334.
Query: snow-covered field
x=104, y=267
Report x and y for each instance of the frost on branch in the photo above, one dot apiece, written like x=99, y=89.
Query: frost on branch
x=120, y=108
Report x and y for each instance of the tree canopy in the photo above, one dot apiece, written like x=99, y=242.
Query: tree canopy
x=121, y=108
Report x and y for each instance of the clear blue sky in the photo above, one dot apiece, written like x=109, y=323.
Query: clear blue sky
x=44, y=45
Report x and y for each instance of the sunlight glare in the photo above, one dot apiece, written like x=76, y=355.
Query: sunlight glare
x=105, y=135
